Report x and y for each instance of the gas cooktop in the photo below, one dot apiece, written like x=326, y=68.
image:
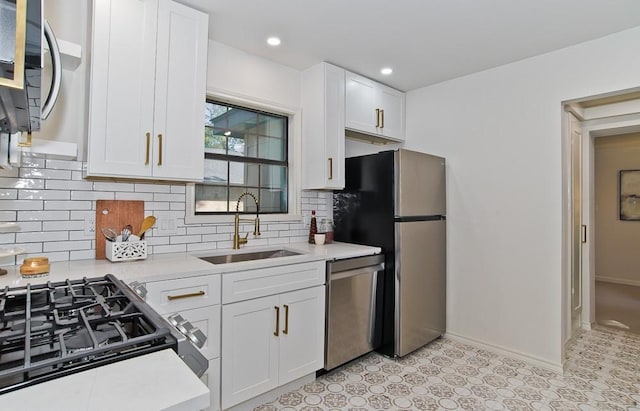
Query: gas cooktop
x=54, y=329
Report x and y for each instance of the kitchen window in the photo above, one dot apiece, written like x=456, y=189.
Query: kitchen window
x=245, y=150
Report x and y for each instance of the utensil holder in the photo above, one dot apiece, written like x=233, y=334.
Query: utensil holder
x=125, y=250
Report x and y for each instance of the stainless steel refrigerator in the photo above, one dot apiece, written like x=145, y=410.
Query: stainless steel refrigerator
x=396, y=200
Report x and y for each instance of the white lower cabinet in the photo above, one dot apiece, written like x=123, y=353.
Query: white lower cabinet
x=211, y=379
x=270, y=341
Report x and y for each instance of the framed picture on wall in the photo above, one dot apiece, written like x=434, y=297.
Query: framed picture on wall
x=630, y=195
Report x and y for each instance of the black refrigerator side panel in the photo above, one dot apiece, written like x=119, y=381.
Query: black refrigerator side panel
x=364, y=214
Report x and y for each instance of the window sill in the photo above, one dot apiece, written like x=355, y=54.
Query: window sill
x=228, y=219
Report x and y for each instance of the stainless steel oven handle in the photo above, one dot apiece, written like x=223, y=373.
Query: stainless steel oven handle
x=358, y=271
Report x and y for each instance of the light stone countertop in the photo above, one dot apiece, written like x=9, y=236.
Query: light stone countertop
x=156, y=381
x=181, y=265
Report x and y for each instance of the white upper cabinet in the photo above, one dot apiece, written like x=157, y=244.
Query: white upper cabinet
x=148, y=89
x=323, y=127
x=373, y=108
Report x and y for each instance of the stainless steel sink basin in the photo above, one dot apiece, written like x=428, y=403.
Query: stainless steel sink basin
x=256, y=255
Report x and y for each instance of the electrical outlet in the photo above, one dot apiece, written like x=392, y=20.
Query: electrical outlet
x=89, y=226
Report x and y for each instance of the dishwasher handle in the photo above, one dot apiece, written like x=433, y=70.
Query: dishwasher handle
x=372, y=269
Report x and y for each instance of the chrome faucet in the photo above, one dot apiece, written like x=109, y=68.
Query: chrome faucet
x=237, y=241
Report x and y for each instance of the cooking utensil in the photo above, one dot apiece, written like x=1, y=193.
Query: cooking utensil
x=126, y=232
x=147, y=223
x=109, y=234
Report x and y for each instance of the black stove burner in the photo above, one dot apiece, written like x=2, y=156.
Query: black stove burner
x=54, y=329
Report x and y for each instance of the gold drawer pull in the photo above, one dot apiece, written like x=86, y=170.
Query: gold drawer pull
x=146, y=157
x=277, y=331
x=286, y=320
x=177, y=297
x=160, y=149
x=330, y=168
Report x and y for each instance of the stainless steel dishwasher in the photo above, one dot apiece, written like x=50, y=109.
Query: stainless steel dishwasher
x=353, y=320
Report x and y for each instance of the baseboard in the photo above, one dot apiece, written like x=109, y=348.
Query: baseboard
x=618, y=281
x=539, y=362
x=588, y=326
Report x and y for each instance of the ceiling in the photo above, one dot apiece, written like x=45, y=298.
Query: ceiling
x=424, y=41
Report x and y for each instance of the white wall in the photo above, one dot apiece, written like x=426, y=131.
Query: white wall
x=500, y=131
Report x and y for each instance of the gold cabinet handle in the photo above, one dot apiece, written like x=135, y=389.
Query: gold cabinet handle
x=17, y=81
x=286, y=320
x=26, y=143
x=277, y=331
x=382, y=115
x=178, y=297
x=330, y=168
x=377, y=117
x=584, y=233
x=146, y=157
x=160, y=149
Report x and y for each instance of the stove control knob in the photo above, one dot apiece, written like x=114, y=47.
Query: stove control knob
x=139, y=289
x=197, y=337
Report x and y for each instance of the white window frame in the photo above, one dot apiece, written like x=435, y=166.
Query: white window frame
x=294, y=161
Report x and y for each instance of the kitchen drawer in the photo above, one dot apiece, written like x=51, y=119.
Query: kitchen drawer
x=211, y=378
x=207, y=319
x=245, y=285
x=172, y=296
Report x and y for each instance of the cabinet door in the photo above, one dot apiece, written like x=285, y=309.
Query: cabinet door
x=360, y=104
x=392, y=118
x=249, y=349
x=122, y=87
x=211, y=378
x=334, y=127
x=180, y=93
x=302, y=336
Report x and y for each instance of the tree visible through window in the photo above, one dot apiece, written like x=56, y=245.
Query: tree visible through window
x=245, y=150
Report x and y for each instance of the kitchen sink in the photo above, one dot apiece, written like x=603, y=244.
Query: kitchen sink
x=256, y=255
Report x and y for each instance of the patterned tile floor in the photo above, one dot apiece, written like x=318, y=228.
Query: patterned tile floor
x=603, y=373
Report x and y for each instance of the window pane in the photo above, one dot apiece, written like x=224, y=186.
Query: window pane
x=270, y=126
x=247, y=204
x=215, y=114
x=237, y=173
x=273, y=177
x=237, y=145
x=272, y=201
x=211, y=198
x=216, y=171
x=271, y=148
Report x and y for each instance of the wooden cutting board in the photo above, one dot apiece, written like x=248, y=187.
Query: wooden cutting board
x=116, y=214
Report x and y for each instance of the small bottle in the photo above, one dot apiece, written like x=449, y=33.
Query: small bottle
x=327, y=229
x=313, y=228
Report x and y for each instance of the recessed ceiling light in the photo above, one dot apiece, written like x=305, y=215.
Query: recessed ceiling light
x=227, y=133
x=386, y=71
x=273, y=41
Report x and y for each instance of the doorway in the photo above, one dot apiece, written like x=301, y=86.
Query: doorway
x=617, y=231
x=587, y=120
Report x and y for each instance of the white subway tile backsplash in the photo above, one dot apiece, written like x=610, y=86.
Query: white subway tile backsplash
x=51, y=200
x=32, y=162
x=92, y=195
x=110, y=186
x=8, y=194
x=134, y=196
x=176, y=248
x=82, y=254
x=67, y=245
x=7, y=216
x=34, y=183
x=68, y=185
x=42, y=215
x=64, y=165
x=168, y=197
x=67, y=205
x=152, y=188
x=45, y=173
x=62, y=225
x=20, y=205
x=44, y=195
